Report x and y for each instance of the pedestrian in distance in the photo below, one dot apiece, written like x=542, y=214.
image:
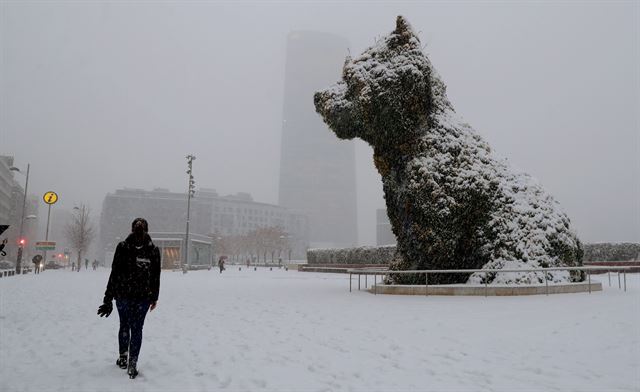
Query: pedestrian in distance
x=221, y=263
x=134, y=283
x=86, y=264
x=36, y=265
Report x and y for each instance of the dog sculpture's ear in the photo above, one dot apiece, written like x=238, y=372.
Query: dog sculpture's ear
x=403, y=33
x=347, y=60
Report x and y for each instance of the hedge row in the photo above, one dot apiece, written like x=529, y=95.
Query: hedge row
x=359, y=255
x=384, y=254
x=612, y=251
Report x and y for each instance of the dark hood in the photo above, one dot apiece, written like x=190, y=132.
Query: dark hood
x=146, y=240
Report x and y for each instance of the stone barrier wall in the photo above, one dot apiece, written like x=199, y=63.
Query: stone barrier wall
x=582, y=287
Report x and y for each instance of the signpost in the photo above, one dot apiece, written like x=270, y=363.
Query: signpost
x=45, y=245
x=50, y=198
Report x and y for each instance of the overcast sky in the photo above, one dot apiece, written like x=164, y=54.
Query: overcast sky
x=99, y=96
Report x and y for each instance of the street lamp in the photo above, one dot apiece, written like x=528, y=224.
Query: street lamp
x=287, y=238
x=24, y=204
x=191, y=192
x=215, y=246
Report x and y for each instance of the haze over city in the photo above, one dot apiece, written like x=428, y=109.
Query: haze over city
x=99, y=96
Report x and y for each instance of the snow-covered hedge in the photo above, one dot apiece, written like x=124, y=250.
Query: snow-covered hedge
x=360, y=255
x=451, y=203
x=612, y=251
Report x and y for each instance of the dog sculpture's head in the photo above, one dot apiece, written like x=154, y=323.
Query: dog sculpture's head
x=384, y=95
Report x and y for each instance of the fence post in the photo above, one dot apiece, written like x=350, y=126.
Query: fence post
x=358, y=281
x=625, y=280
x=365, y=280
x=546, y=283
x=486, y=284
x=619, y=286
x=350, y=281
x=609, y=273
x=375, y=287
x=426, y=283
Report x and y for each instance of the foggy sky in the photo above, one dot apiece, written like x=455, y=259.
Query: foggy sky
x=100, y=96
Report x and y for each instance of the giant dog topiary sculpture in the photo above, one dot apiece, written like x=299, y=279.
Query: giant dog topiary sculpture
x=451, y=204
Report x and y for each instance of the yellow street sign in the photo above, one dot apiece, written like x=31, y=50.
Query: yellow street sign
x=50, y=197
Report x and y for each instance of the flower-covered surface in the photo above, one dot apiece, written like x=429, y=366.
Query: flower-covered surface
x=451, y=203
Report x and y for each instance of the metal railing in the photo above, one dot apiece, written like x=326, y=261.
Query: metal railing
x=12, y=271
x=385, y=272
x=7, y=272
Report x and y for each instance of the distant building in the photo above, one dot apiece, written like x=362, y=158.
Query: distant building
x=384, y=234
x=317, y=170
x=6, y=190
x=11, y=199
x=211, y=214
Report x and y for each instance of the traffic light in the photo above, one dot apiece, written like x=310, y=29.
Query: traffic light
x=22, y=242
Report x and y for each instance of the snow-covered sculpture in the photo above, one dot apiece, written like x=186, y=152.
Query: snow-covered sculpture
x=451, y=204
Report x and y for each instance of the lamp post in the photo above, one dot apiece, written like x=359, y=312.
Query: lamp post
x=216, y=244
x=191, y=191
x=24, y=204
x=287, y=238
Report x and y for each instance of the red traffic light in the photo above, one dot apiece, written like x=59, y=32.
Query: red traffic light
x=60, y=255
x=22, y=241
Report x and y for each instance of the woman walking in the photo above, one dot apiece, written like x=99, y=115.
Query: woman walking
x=134, y=283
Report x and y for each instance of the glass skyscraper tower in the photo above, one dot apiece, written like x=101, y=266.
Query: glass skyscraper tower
x=317, y=170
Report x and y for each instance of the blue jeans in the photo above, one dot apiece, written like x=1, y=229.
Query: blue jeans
x=132, y=313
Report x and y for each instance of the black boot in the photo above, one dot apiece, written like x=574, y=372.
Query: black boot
x=132, y=371
x=122, y=361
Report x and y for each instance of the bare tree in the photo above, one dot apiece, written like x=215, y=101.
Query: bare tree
x=80, y=232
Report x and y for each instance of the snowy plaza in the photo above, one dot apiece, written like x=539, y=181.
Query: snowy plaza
x=288, y=330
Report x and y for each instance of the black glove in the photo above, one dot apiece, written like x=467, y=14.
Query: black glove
x=105, y=309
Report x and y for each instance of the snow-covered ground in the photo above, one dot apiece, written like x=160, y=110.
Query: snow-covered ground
x=279, y=330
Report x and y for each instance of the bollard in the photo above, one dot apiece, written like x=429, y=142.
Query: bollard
x=350, y=281
x=625, y=280
x=609, y=273
x=365, y=281
x=358, y=282
x=589, y=274
x=619, y=286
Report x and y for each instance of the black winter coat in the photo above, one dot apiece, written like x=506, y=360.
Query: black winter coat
x=135, y=272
